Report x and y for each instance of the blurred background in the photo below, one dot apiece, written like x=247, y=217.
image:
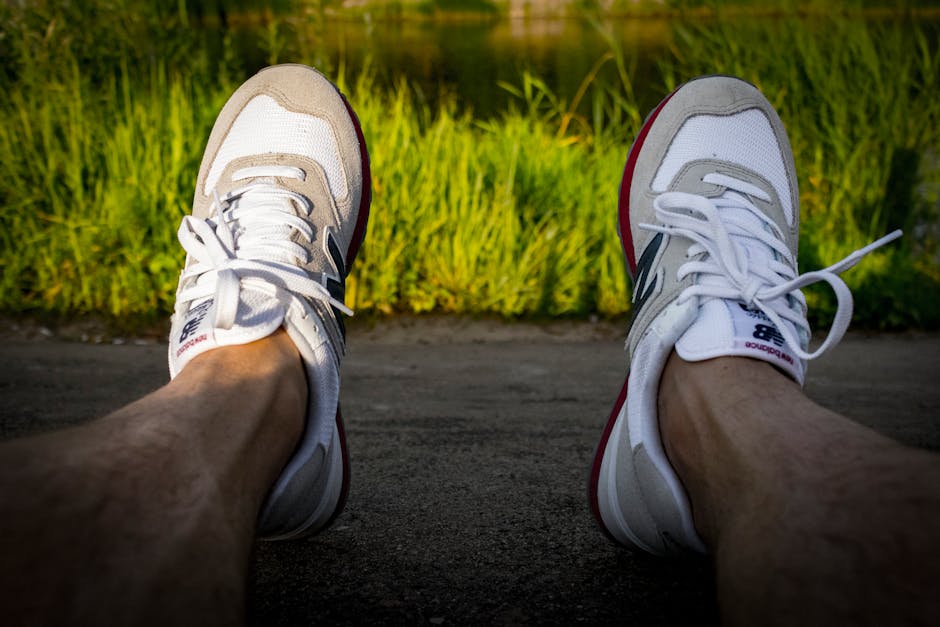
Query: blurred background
x=497, y=130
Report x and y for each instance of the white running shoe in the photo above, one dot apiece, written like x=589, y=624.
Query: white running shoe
x=282, y=201
x=709, y=221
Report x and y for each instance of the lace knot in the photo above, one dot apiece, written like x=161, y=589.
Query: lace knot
x=750, y=290
x=248, y=241
x=747, y=260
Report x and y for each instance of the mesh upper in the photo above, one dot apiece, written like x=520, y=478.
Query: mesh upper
x=746, y=139
x=265, y=127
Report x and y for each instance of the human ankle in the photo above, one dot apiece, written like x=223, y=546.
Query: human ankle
x=270, y=362
x=693, y=391
x=698, y=406
x=263, y=383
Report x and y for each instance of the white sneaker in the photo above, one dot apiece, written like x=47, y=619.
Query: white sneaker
x=709, y=221
x=282, y=201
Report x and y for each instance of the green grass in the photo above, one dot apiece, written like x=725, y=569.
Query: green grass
x=505, y=216
x=515, y=215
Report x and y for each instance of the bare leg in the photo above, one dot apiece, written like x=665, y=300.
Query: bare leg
x=813, y=519
x=147, y=516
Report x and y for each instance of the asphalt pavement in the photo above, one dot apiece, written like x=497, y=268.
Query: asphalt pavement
x=470, y=443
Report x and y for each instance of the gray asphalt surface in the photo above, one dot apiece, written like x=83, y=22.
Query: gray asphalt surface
x=470, y=444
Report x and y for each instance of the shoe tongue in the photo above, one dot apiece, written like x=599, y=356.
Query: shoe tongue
x=194, y=332
x=730, y=328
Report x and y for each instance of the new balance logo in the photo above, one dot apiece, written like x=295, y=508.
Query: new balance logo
x=768, y=333
x=197, y=315
x=335, y=283
x=644, y=285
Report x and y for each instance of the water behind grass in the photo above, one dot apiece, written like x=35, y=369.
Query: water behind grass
x=469, y=60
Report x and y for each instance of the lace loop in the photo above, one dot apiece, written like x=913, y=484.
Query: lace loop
x=738, y=253
x=750, y=290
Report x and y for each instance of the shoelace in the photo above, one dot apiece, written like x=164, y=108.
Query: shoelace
x=246, y=242
x=726, y=229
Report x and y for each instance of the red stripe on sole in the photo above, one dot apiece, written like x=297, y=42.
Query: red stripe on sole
x=599, y=458
x=626, y=235
x=344, y=491
x=365, y=202
x=359, y=234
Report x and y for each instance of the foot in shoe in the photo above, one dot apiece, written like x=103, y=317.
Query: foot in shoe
x=281, y=205
x=709, y=221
